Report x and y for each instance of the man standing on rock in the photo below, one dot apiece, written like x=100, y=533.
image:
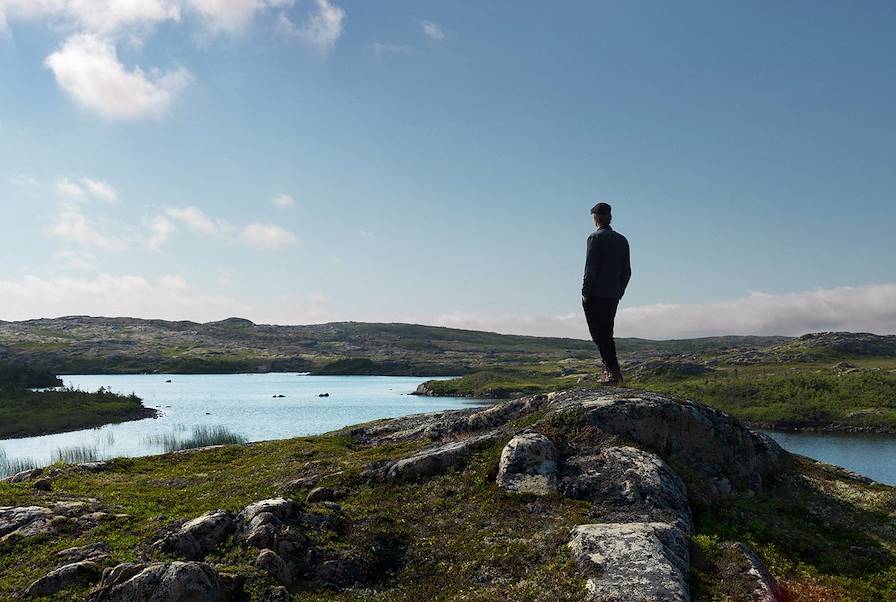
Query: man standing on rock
x=607, y=272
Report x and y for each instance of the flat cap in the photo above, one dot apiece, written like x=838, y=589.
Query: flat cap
x=601, y=209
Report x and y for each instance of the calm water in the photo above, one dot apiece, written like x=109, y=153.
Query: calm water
x=870, y=455
x=243, y=403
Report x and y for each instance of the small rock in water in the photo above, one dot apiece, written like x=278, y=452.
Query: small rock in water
x=168, y=381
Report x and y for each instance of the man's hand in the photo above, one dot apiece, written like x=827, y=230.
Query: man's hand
x=584, y=299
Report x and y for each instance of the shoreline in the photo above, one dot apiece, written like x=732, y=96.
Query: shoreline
x=142, y=413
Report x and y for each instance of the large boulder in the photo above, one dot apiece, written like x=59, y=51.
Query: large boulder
x=199, y=536
x=632, y=562
x=629, y=484
x=528, y=465
x=69, y=575
x=160, y=582
x=709, y=442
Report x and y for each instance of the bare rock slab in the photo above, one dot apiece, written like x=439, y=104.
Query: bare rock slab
x=439, y=459
x=160, y=582
x=76, y=573
x=199, y=536
x=632, y=562
x=765, y=588
x=528, y=465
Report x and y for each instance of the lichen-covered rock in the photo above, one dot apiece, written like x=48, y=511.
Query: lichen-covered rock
x=24, y=521
x=281, y=508
x=439, y=459
x=708, y=441
x=271, y=563
x=76, y=573
x=199, y=536
x=632, y=562
x=528, y=465
x=94, y=551
x=765, y=588
x=160, y=582
x=628, y=483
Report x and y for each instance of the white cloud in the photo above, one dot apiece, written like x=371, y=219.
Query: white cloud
x=232, y=15
x=69, y=190
x=870, y=308
x=161, y=228
x=195, y=219
x=99, y=16
x=73, y=226
x=267, y=236
x=24, y=181
x=87, y=68
x=78, y=260
x=169, y=297
x=284, y=201
x=100, y=190
x=433, y=31
x=321, y=28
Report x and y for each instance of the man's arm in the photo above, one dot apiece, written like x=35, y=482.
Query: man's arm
x=592, y=260
x=626, y=270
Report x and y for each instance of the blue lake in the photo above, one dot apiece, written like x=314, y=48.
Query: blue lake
x=245, y=404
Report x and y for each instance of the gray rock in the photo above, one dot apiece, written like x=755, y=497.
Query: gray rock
x=271, y=563
x=281, y=508
x=439, y=459
x=76, y=573
x=43, y=484
x=707, y=440
x=632, y=562
x=199, y=536
x=93, y=551
x=25, y=475
x=277, y=594
x=319, y=494
x=639, y=485
x=765, y=588
x=24, y=521
x=160, y=582
x=528, y=465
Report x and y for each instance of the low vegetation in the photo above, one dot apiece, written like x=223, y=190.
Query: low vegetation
x=825, y=535
x=26, y=412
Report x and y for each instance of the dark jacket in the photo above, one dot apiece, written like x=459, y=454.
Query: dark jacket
x=607, y=266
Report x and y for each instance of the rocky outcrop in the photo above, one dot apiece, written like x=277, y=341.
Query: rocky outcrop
x=160, y=582
x=199, y=536
x=438, y=459
x=627, y=483
x=632, y=562
x=69, y=575
x=528, y=465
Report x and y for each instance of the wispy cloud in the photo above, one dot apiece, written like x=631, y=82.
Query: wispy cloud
x=196, y=220
x=161, y=229
x=284, y=201
x=433, y=31
x=320, y=29
x=267, y=236
x=170, y=297
x=24, y=181
x=100, y=190
x=73, y=226
x=870, y=308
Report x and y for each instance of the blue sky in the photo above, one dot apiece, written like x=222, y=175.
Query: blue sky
x=312, y=160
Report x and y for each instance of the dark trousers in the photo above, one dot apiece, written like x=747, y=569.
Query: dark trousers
x=600, y=313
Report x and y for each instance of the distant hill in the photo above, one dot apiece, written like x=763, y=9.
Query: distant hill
x=82, y=344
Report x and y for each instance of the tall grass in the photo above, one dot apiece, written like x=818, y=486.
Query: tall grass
x=10, y=467
x=201, y=436
x=75, y=455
